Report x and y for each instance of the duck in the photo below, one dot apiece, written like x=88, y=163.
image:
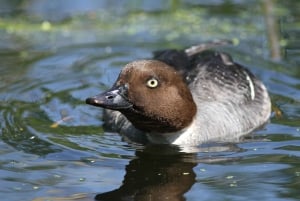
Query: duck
x=185, y=97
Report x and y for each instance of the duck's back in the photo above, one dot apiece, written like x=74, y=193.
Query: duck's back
x=231, y=101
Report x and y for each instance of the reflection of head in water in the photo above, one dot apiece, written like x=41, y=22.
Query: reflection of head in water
x=157, y=173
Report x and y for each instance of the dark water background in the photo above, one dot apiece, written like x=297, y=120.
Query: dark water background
x=54, y=54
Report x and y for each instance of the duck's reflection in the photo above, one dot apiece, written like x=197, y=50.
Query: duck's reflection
x=157, y=173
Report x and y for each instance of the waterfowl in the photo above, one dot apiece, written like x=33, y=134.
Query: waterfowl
x=185, y=97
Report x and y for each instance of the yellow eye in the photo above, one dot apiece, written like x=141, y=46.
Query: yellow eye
x=152, y=83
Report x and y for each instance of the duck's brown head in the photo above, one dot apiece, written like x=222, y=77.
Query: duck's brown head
x=152, y=95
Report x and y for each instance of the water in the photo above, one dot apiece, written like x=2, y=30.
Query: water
x=52, y=144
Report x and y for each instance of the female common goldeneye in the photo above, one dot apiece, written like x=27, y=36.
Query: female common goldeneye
x=185, y=97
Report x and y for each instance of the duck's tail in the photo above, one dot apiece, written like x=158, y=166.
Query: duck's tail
x=207, y=45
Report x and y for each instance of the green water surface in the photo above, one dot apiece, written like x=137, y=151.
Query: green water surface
x=55, y=54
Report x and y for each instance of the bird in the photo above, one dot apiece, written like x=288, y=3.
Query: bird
x=185, y=97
